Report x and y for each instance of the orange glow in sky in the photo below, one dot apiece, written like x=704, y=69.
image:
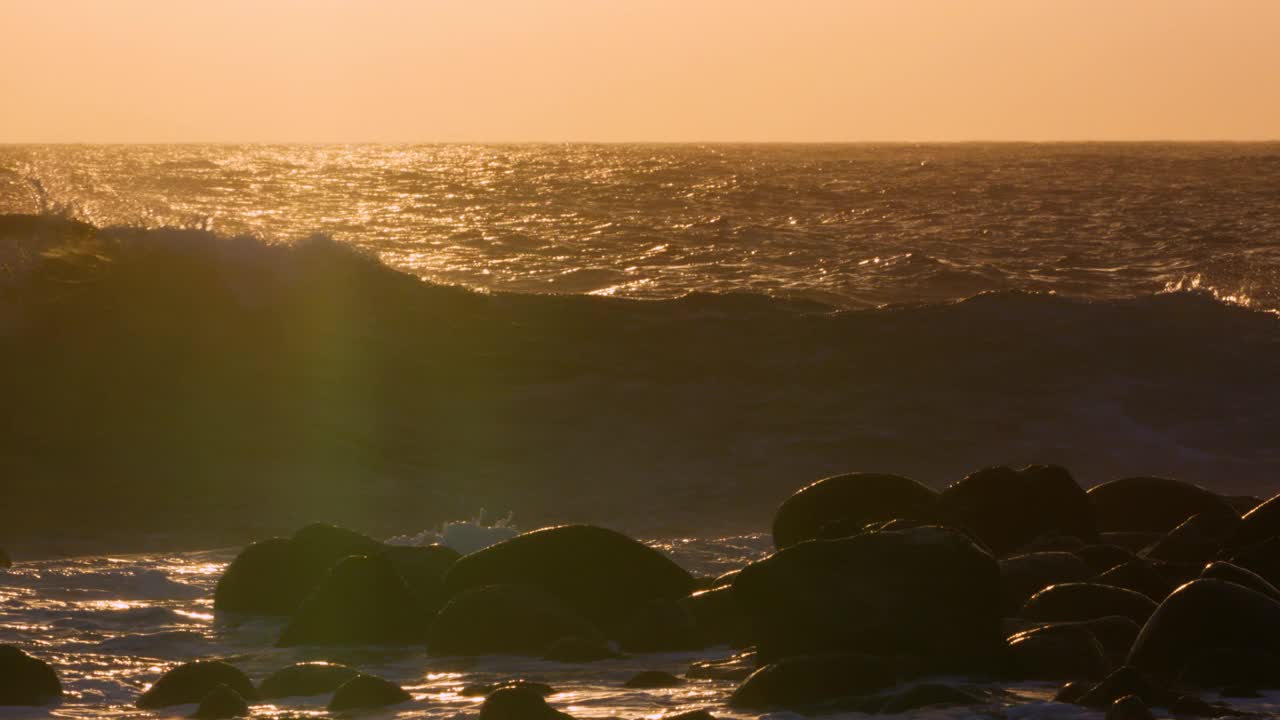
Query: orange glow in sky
x=619, y=70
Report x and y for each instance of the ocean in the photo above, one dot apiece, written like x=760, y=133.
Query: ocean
x=205, y=345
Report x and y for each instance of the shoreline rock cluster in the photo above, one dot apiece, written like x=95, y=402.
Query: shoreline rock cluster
x=1141, y=592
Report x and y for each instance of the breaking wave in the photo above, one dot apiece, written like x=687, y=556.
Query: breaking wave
x=205, y=386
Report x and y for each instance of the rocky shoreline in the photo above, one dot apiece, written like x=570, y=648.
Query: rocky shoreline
x=884, y=596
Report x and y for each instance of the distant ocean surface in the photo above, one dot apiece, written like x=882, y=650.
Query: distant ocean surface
x=853, y=226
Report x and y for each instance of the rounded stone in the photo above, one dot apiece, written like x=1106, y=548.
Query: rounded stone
x=853, y=500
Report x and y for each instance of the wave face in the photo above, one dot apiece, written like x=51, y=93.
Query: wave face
x=214, y=388
x=852, y=225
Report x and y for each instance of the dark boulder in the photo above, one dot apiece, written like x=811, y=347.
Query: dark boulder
x=1116, y=635
x=1009, y=508
x=518, y=703
x=1151, y=504
x=1262, y=558
x=361, y=601
x=600, y=574
x=221, y=703
x=799, y=682
x=25, y=680
x=504, y=620
x=1102, y=557
x=486, y=689
x=1222, y=570
x=1022, y=576
x=648, y=679
x=1259, y=524
x=1056, y=652
x=578, y=650
x=924, y=695
x=927, y=591
x=1204, y=616
x=1133, y=541
x=272, y=577
x=1140, y=576
x=851, y=501
x=1228, y=666
x=191, y=682
x=367, y=691
x=307, y=678
x=1125, y=681
x=661, y=626
x=717, y=616
x=1129, y=707
x=422, y=568
x=1087, y=601
x=1197, y=540
x=1071, y=692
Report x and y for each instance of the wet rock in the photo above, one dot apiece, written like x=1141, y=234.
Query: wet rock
x=798, y=682
x=1087, y=601
x=1203, y=616
x=1102, y=557
x=1259, y=524
x=1228, y=666
x=221, y=703
x=361, y=601
x=1133, y=541
x=724, y=579
x=1008, y=508
x=660, y=626
x=925, y=695
x=272, y=577
x=1222, y=570
x=307, y=678
x=579, y=650
x=602, y=575
x=653, y=679
x=1262, y=558
x=927, y=591
x=518, y=703
x=1115, y=634
x=542, y=689
x=1052, y=542
x=1072, y=692
x=1129, y=707
x=505, y=619
x=191, y=682
x=26, y=680
x=1192, y=706
x=1123, y=682
x=1151, y=504
x=851, y=501
x=1140, y=576
x=1056, y=652
x=1022, y=576
x=367, y=691
x=717, y=616
x=1197, y=539
x=422, y=568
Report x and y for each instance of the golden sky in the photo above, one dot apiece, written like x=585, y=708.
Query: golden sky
x=621, y=70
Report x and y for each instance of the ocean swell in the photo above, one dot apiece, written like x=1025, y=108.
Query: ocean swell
x=184, y=387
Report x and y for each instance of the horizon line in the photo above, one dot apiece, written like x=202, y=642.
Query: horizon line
x=1082, y=141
